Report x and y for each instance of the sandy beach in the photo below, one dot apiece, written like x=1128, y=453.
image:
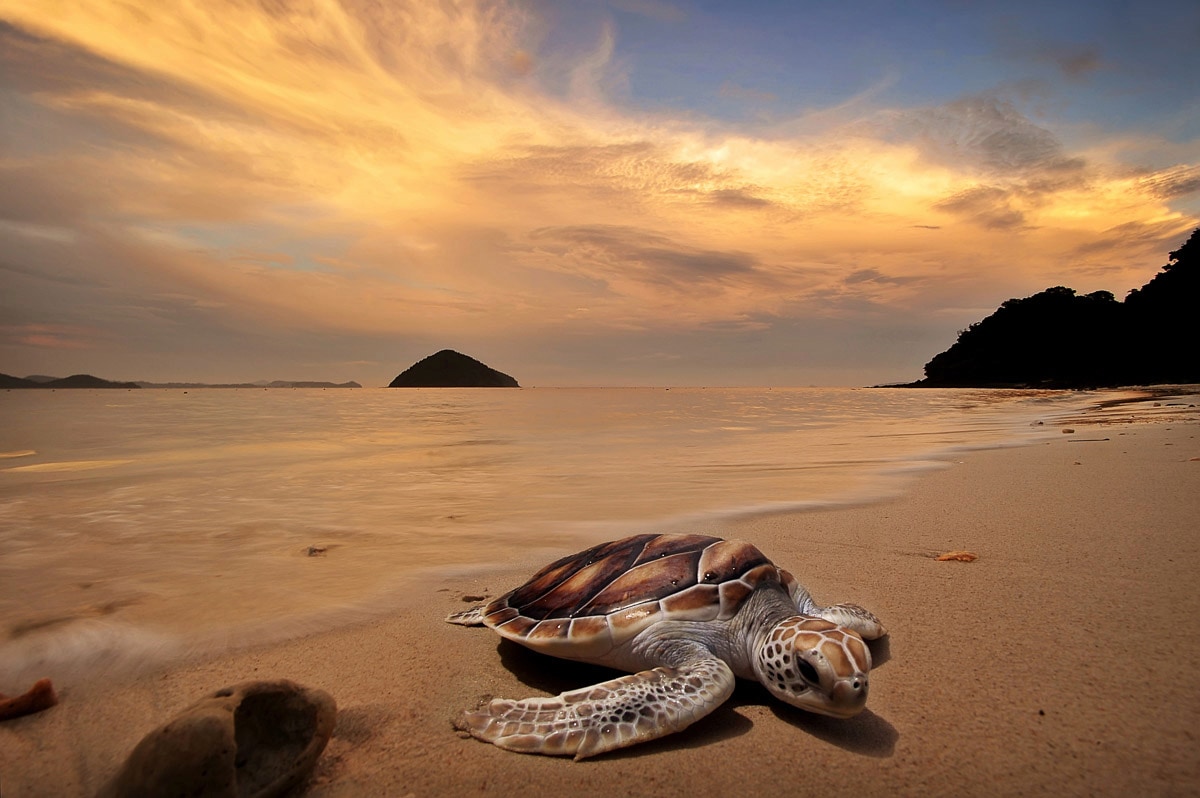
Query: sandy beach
x=1065, y=660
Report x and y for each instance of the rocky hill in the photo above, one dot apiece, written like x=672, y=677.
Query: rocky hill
x=450, y=369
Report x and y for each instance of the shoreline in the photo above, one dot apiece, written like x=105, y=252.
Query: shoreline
x=1064, y=660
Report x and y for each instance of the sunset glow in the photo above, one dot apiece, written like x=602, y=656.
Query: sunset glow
x=332, y=189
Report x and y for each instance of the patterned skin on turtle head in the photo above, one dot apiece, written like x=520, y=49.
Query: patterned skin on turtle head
x=815, y=665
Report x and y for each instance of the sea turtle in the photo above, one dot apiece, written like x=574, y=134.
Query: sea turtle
x=684, y=614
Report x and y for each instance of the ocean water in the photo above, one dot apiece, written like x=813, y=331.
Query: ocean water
x=138, y=525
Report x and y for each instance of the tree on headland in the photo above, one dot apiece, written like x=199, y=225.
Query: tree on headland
x=1057, y=338
x=1162, y=315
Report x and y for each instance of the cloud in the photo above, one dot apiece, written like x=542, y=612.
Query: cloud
x=984, y=132
x=637, y=166
x=1147, y=237
x=737, y=198
x=875, y=276
x=593, y=75
x=50, y=336
x=988, y=206
x=1176, y=181
x=1076, y=61
x=1087, y=47
x=656, y=255
x=1072, y=60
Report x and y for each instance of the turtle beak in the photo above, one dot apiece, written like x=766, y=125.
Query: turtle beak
x=850, y=695
x=847, y=698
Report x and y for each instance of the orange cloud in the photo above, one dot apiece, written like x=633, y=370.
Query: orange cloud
x=50, y=336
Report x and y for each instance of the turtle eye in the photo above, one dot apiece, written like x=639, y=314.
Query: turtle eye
x=808, y=671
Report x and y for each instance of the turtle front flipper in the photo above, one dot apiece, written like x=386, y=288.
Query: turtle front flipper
x=854, y=617
x=849, y=616
x=606, y=716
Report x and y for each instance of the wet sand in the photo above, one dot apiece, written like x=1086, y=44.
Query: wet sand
x=1065, y=660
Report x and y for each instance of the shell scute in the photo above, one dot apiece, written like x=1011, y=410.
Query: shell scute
x=562, y=588
x=729, y=559
x=547, y=579
x=766, y=573
x=591, y=625
x=789, y=582
x=518, y=626
x=498, y=612
x=655, y=578
x=733, y=593
x=666, y=545
x=570, y=595
x=549, y=630
x=697, y=603
x=628, y=622
x=589, y=638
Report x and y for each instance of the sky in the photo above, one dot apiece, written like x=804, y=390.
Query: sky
x=599, y=192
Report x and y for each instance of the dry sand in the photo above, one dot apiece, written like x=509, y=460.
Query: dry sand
x=1064, y=661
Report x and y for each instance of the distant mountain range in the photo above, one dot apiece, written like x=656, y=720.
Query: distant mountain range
x=74, y=381
x=88, y=381
x=272, y=384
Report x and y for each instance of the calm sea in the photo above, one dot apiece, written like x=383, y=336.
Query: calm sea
x=140, y=524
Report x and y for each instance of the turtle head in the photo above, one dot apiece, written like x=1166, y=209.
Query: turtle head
x=815, y=665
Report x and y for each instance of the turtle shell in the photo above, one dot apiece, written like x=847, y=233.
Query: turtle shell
x=584, y=605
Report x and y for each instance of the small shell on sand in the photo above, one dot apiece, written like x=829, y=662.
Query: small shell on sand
x=957, y=556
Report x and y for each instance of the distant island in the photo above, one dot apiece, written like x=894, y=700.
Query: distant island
x=1058, y=339
x=272, y=384
x=450, y=369
x=88, y=381
x=74, y=381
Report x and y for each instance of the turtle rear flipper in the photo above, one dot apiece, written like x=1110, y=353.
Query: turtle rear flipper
x=471, y=617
